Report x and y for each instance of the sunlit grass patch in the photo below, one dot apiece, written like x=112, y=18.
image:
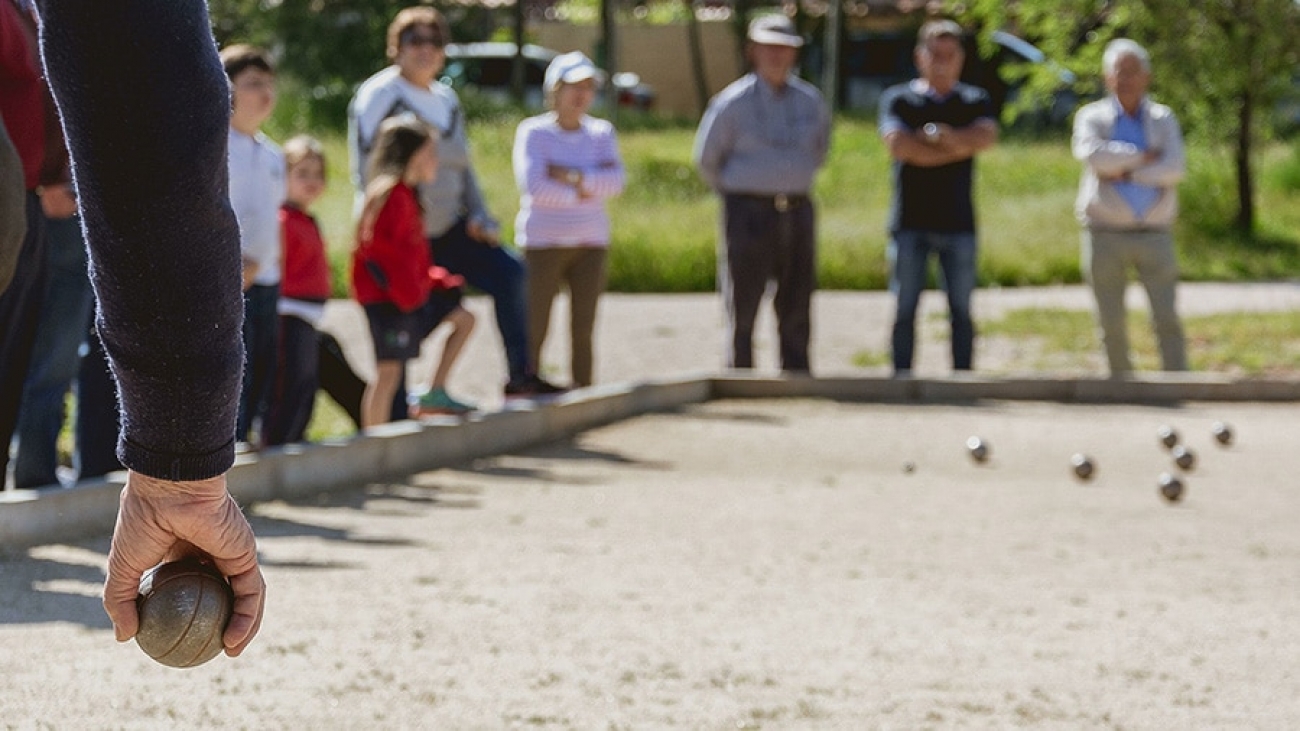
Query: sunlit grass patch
x=1236, y=343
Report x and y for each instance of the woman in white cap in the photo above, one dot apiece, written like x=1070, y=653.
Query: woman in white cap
x=566, y=165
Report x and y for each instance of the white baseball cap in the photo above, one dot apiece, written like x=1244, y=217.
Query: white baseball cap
x=570, y=68
x=774, y=30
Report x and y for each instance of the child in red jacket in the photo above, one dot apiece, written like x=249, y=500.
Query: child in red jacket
x=304, y=290
x=404, y=295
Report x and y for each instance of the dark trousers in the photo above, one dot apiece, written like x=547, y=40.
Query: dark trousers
x=498, y=272
x=337, y=379
x=97, y=413
x=20, y=308
x=297, y=366
x=261, y=333
x=763, y=244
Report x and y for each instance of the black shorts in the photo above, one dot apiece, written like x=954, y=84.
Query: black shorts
x=397, y=335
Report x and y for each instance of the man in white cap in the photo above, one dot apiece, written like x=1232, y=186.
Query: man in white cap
x=759, y=145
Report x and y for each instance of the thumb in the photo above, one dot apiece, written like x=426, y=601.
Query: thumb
x=121, y=589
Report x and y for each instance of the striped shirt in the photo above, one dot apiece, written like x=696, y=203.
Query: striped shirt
x=551, y=212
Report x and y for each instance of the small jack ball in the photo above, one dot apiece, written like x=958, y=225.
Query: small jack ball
x=1222, y=433
x=1168, y=436
x=1184, y=457
x=1171, y=487
x=184, y=608
x=909, y=467
x=1083, y=466
x=979, y=450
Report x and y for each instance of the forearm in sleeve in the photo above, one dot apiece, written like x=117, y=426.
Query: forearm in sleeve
x=145, y=107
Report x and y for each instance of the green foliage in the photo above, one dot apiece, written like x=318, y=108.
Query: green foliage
x=1222, y=64
x=1286, y=176
x=325, y=48
x=587, y=12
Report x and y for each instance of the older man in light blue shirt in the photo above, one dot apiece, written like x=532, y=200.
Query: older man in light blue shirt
x=1132, y=151
x=759, y=145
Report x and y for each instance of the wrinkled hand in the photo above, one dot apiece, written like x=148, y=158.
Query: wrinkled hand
x=161, y=520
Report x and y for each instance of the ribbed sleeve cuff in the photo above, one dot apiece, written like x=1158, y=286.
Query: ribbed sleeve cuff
x=176, y=467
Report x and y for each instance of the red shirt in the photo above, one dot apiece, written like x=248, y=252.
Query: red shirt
x=305, y=271
x=22, y=101
x=394, y=264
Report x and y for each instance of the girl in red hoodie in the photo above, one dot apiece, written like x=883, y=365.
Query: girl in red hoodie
x=404, y=295
x=304, y=290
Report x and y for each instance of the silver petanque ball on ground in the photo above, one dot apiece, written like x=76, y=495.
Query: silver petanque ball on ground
x=1184, y=457
x=1083, y=466
x=1222, y=433
x=1171, y=488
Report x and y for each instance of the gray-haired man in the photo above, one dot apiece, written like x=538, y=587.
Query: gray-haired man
x=1132, y=151
x=759, y=145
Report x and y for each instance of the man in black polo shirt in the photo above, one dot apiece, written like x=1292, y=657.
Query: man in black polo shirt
x=934, y=126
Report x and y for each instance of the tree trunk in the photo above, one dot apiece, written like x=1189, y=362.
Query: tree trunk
x=607, y=56
x=740, y=27
x=517, y=67
x=697, y=56
x=1245, y=179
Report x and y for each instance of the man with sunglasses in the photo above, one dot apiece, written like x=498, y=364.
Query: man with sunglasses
x=463, y=235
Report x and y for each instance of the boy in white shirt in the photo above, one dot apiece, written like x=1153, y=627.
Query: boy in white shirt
x=257, y=187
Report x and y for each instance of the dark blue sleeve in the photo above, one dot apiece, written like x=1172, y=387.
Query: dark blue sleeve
x=145, y=106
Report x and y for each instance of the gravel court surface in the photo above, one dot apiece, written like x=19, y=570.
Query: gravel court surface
x=741, y=564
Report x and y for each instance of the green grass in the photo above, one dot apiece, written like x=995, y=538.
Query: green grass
x=665, y=223
x=1227, y=343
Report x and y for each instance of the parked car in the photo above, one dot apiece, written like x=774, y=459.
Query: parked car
x=875, y=61
x=486, y=67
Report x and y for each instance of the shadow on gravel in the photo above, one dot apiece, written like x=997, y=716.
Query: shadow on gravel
x=37, y=589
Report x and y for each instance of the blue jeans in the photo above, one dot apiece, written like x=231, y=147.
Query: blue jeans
x=498, y=272
x=56, y=354
x=909, y=255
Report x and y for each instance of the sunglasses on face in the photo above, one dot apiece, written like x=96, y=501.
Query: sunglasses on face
x=421, y=39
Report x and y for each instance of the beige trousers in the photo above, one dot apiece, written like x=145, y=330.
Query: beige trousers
x=582, y=270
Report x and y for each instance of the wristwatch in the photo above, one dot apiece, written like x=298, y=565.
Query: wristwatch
x=931, y=131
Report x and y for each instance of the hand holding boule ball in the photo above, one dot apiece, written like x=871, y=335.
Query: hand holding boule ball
x=184, y=608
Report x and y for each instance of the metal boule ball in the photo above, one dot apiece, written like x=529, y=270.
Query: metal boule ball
x=1168, y=436
x=1171, y=488
x=184, y=608
x=1222, y=433
x=1083, y=466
